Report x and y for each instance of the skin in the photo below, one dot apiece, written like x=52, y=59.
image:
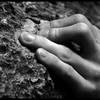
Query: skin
x=82, y=66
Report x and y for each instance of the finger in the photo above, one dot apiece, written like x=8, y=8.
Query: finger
x=34, y=41
x=68, y=21
x=79, y=33
x=62, y=69
x=97, y=34
x=64, y=53
x=67, y=33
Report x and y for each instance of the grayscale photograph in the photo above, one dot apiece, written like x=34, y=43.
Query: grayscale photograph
x=49, y=50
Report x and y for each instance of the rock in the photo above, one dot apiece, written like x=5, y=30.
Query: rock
x=17, y=78
x=21, y=75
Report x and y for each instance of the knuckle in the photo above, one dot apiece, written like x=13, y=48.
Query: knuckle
x=80, y=17
x=83, y=28
x=41, y=39
x=65, y=54
x=55, y=33
x=41, y=42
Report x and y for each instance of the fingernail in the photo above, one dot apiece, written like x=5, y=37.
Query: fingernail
x=27, y=37
x=42, y=53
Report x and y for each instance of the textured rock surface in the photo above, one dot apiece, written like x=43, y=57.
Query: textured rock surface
x=21, y=75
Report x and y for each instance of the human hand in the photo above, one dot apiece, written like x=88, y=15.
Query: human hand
x=82, y=65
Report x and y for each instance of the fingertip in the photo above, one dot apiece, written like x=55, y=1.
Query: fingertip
x=41, y=53
x=26, y=38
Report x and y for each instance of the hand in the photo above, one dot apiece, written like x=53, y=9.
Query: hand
x=70, y=48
